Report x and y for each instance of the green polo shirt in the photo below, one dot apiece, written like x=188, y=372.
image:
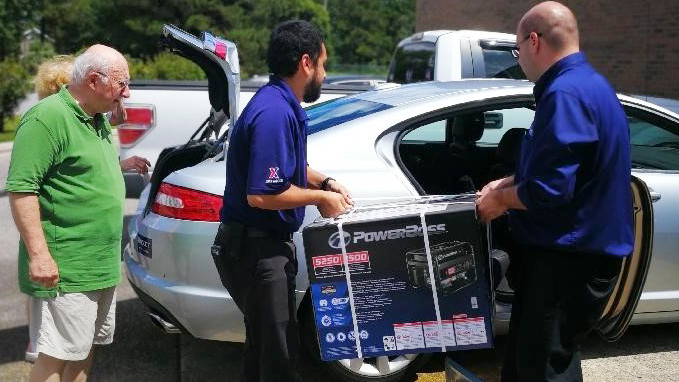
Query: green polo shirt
x=70, y=161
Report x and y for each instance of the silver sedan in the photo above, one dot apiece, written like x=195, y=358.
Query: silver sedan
x=399, y=141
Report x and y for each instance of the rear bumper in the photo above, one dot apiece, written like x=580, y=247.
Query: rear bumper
x=201, y=312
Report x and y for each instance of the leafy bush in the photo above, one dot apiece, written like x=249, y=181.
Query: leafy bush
x=10, y=128
x=164, y=66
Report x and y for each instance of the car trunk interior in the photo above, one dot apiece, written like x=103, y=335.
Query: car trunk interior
x=172, y=159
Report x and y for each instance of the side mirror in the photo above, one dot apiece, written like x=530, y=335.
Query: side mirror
x=493, y=120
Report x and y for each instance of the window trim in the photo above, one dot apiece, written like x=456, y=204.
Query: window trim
x=402, y=128
x=658, y=119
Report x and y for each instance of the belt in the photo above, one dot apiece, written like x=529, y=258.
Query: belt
x=254, y=232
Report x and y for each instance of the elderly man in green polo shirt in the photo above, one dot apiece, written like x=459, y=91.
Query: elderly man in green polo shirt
x=66, y=193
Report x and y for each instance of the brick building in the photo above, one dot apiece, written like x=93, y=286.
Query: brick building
x=634, y=43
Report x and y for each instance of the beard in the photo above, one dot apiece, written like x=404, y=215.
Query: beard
x=312, y=90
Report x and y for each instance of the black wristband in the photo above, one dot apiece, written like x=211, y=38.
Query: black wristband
x=324, y=183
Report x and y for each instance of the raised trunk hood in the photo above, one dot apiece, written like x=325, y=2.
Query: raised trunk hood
x=219, y=60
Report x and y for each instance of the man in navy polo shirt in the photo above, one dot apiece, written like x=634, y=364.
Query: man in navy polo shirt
x=574, y=170
x=268, y=185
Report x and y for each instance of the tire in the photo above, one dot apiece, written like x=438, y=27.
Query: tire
x=379, y=369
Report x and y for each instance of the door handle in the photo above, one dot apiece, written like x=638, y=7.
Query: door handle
x=655, y=196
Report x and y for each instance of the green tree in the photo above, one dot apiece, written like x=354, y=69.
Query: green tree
x=78, y=23
x=367, y=31
x=16, y=16
x=252, y=23
x=14, y=83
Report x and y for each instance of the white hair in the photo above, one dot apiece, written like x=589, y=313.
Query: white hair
x=89, y=62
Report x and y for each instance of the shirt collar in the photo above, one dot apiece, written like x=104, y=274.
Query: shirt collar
x=73, y=104
x=289, y=96
x=97, y=121
x=557, y=68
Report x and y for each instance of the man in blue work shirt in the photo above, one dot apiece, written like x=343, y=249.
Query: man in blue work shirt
x=574, y=172
x=268, y=185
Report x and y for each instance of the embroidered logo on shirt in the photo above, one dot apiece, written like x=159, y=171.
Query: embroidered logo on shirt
x=273, y=176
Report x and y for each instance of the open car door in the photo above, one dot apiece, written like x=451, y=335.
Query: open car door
x=623, y=301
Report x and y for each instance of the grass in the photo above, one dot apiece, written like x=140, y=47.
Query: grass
x=10, y=128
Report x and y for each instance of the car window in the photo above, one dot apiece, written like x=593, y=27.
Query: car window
x=653, y=147
x=340, y=110
x=521, y=117
x=413, y=63
x=498, y=122
x=502, y=63
x=432, y=132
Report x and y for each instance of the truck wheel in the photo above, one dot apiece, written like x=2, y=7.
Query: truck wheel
x=376, y=369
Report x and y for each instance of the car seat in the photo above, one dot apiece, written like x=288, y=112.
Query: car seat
x=507, y=153
x=467, y=161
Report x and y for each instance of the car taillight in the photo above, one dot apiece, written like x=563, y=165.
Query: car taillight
x=186, y=204
x=140, y=118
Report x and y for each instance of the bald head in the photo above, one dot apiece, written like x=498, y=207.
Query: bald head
x=97, y=58
x=554, y=22
x=105, y=51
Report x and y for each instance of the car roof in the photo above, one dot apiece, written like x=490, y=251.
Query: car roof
x=345, y=77
x=435, y=34
x=395, y=94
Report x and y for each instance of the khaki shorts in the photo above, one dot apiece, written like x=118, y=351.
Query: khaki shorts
x=66, y=327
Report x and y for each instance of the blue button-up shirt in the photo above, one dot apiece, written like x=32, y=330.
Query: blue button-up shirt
x=574, y=172
x=266, y=154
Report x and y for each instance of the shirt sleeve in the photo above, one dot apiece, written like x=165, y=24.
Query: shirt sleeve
x=34, y=152
x=564, y=135
x=272, y=153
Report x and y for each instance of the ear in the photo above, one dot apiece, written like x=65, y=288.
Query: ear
x=306, y=65
x=91, y=80
x=534, y=41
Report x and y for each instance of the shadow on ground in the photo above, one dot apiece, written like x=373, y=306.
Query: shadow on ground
x=141, y=352
x=642, y=339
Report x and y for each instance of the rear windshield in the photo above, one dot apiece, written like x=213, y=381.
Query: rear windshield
x=413, y=63
x=502, y=62
x=340, y=110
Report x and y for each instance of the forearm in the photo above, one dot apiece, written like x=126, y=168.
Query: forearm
x=26, y=214
x=293, y=197
x=314, y=178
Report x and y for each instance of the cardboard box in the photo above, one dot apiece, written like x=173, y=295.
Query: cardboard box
x=400, y=278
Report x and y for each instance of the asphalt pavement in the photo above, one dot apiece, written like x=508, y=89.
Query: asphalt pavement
x=141, y=352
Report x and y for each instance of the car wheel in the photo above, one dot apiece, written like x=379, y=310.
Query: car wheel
x=376, y=369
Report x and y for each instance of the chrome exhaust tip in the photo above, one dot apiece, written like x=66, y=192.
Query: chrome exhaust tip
x=165, y=326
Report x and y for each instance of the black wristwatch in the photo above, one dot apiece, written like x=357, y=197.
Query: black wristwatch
x=324, y=183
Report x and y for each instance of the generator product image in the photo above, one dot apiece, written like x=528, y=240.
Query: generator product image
x=453, y=263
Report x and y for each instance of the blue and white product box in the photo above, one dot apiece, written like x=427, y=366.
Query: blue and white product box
x=371, y=275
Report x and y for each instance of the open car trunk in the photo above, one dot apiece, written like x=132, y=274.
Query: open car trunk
x=219, y=60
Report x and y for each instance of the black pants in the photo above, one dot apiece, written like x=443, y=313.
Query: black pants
x=558, y=299
x=261, y=280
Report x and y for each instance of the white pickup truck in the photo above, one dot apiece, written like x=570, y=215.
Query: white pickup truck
x=447, y=55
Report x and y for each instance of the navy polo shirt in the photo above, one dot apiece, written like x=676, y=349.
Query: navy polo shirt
x=266, y=154
x=574, y=172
